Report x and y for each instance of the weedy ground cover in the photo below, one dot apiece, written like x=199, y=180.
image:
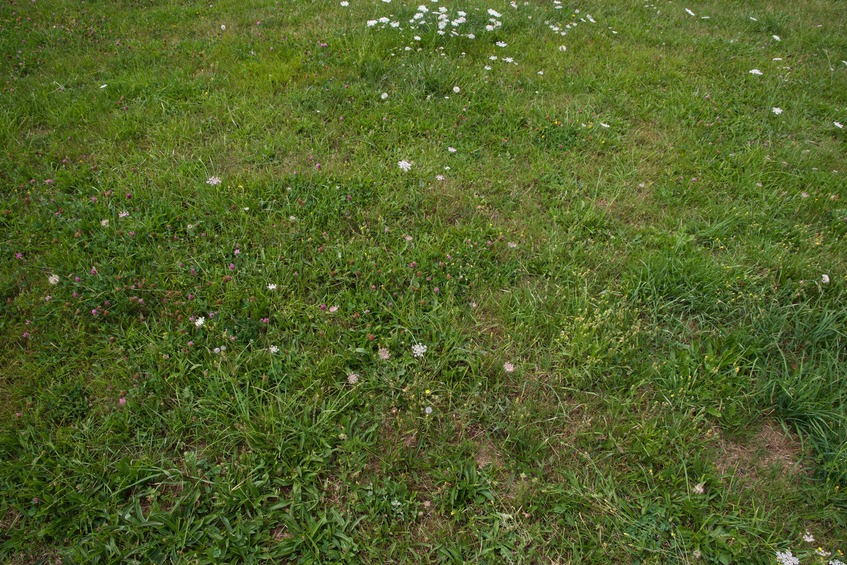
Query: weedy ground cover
x=448, y=281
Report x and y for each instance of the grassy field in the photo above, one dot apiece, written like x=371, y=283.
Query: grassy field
x=374, y=282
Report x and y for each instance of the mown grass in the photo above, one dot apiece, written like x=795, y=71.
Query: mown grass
x=629, y=277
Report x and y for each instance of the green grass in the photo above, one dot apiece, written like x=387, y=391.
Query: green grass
x=625, y=221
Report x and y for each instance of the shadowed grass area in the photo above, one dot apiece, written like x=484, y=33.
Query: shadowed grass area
x=368, y=281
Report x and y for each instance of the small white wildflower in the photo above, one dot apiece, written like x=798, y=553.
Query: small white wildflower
x=755, y=72
x=776, y=38
x=223, y=27
x=508, y=367
x=563, y=48
x=104, y=223
x=384, y=354
x=451, y=149
x=272, y=286
x=776, y=110
x=428, y=410
x=213, y=181
x=837, y=562
x=822, y=552
x=345, y=3
x=200, y=321
x=418, y=350
x=456, y=89
x=292, y=218
x=273, y=349
x=333, y=309
x=824, y=280
x=123, y=214
x=439, y=177
x=371, y=23
x=787, y=558
x=699, y=488
x=53, y=279
x=501, y=44
x=405, y=165
x=512, y=245
x=493, y=13
x=352, y=378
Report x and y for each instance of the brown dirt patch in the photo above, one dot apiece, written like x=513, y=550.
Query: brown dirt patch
x=487, y=453
x=771, y=449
